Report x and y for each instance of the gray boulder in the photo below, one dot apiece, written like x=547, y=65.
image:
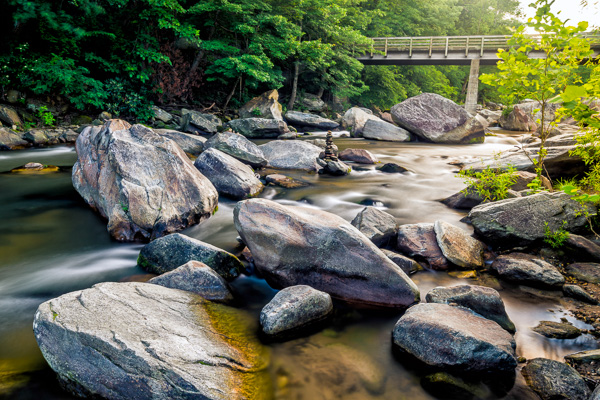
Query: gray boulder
x=259, y=127
x=528, y=270
x=143, y=183
x=377, y=225
x=587, y=272
x=294, y=308
x=408, y=265
x=39, y=137
x=458, y=246
x=10, y=140
x=437, y=119
x=161, y=115
x=127, y=341
x=335, y=168
x=480, y=299
x=382, y=130
x=304, y=246
x=196, y=277
x=522, y=220
x=312, y=102
x=455, y=339
x=490, y=116
x=191, y=144
x=264, y=106
x=167, y=253
x=238, y=147
x=360, y=156
x=306, y=120
x=230, y=177
x=206, y=123
x=553, y=380
x=294, y=154
x=419, y=241
x=355, y=119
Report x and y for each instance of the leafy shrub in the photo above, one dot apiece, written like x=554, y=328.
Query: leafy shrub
x=46, y=116
x=491, y=184
x=556, y=239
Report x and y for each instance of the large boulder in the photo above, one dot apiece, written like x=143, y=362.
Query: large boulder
x=9, y=116
x=230, y=177
x=167, y=253
x=355, y=119
x=196, y=277
x=294, y=308
x=312, y=102
x=377, y=225
x=522, y=220
x=293, y=154
x=191, y=144
x=458, y=246
x=304, y=246
x=529, y=270
x=259, y=127
x=264, y=106
x=143, y=183
x=10, y=140
x=123, y=341
x=437, y=119
x=553, y=380
x=518, y=120
x=382, y=130
x=306, y=120
x=482, y=300
x=419, y=241
x=455, y=339
x=238, y=147
x=360, y=156
x=205, y=123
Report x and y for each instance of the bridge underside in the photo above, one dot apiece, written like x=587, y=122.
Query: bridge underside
x=436, y=58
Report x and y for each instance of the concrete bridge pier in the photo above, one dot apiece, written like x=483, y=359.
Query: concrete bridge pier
x=473, y=85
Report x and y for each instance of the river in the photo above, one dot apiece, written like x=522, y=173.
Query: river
x=52, y=243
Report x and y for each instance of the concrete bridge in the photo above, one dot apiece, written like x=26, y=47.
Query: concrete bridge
x=447, y=50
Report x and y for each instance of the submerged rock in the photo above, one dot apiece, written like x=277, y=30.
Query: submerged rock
x=230, y=177
x=294, y=308
x=196, y=277
x=143, y=183
x=553, y=380
x=455, y=339
x=377, y=225
x=392, y=168
x=293, y=154
x=259, y=127
x=303, y=246
x=419, y=241
x=285, y=181
x=167, y=253
x=557, y=330
x=528, y=270
x=437, y=119
x=458, y=246
x=142, y=341
x=522, y=220
x=482, y=300
x=237, y=146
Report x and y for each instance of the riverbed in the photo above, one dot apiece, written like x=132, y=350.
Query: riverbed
x=52, y=243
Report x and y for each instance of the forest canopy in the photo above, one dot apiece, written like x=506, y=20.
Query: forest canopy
x=122, y=55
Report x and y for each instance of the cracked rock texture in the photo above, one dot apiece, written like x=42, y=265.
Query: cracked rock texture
x=142, y=341
x=143, y=183
x=303, y=246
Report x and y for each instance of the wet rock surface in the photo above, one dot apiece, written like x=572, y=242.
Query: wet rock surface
x=293, y=308
x=167, y=253
x=284, y=181
x=143, y=183
x=445, y=337
x=557, y=330
x=553, y=380
x=138, y=341
x=360, y=156
x=196, y=277
x=303, y=246
x=480, y=299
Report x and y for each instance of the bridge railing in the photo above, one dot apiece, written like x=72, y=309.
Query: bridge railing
x=429, y=44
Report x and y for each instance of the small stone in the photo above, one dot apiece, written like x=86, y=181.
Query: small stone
x=392, y=168
x=377, y=225
x=557, y=330
x=360, y=156
x=408, y=265
x=285, y=181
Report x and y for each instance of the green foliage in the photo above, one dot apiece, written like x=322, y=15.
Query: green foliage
x=556, y=239
x=256, y=112
x=490, y=184
x=541, y=79
x=535, y=186
x=46, y=116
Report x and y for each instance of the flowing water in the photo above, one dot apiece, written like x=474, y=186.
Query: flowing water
x=52, y=243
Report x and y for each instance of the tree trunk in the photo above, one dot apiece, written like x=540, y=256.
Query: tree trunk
x=290, y=105
x=230, y=95
x=199, y=57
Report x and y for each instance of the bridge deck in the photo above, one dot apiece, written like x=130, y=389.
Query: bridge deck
x=441, y=50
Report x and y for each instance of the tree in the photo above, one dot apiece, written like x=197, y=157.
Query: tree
x=560, y=49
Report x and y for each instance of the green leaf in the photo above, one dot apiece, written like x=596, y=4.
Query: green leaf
x=573, y=92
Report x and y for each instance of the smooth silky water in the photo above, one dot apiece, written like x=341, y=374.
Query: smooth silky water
x=52, y=243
